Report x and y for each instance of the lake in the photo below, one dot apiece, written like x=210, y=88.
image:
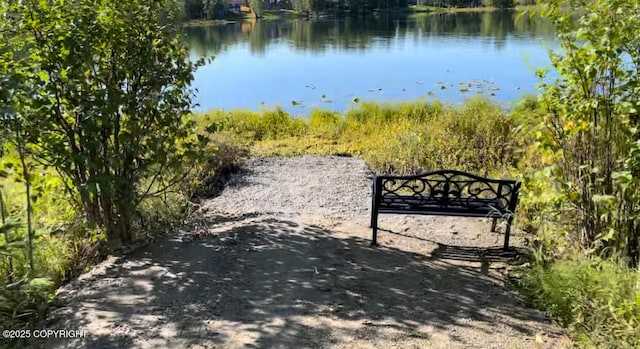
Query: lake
x=301, y=65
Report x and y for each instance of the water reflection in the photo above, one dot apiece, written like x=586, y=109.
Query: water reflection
x=360, y=34
x=387, y=58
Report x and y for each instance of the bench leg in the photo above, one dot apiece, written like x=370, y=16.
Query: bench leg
x=374, y=227
x=506, y=233
x=373, y=204
x=375, y=199
x=493, y=225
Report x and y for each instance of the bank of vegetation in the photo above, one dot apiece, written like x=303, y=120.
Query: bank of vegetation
x=99, y=150
x=392, y=138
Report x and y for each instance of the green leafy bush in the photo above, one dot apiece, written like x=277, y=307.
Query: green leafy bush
x=99, y=91
x=590, y=128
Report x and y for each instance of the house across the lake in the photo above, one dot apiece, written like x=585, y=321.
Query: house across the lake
x=234, y=5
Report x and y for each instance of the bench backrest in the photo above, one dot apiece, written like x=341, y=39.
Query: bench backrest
x=446, y=190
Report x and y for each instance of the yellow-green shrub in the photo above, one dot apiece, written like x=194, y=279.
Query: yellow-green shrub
x=325, y=123
x=269, y=124
x=477, y=136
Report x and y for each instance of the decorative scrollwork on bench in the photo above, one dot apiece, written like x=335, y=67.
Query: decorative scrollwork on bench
x=446, y=189
x=445, y=192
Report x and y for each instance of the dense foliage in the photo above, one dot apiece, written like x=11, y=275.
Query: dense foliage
x=100, y=93
x=204, y=9
x=94, y=105
x=590, y=133
x=587, y=197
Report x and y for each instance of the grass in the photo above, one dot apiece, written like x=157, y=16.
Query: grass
x=597, y=300
x=61, y=250
x=477, y=136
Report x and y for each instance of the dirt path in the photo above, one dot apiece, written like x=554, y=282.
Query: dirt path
x=287, y=263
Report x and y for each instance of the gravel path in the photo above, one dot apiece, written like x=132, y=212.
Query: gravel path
x=286, y=263
x=325, y=186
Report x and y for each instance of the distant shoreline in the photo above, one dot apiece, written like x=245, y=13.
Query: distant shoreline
x=270, y=15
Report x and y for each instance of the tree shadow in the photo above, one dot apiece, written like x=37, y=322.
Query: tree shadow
x=274, y=282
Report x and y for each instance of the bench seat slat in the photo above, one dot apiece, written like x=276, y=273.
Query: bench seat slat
x=465, y=213
x=435, y=204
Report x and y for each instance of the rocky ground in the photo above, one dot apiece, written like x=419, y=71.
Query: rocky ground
x=282, y=259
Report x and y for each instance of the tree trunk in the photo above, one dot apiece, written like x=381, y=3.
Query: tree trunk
x=126, y=208
x=27, y=183
x=114, y=238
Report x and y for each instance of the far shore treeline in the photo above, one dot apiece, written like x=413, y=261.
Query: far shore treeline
x=221, y=9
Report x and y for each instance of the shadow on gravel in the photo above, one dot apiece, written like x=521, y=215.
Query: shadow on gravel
x=266, y=283
x=514, y=256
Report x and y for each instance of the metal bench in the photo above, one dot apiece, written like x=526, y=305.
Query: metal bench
x=445, y=193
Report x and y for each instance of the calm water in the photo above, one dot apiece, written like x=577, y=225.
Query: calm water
x=329, y=63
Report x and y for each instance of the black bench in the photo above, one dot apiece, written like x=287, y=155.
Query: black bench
x=446, y=193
